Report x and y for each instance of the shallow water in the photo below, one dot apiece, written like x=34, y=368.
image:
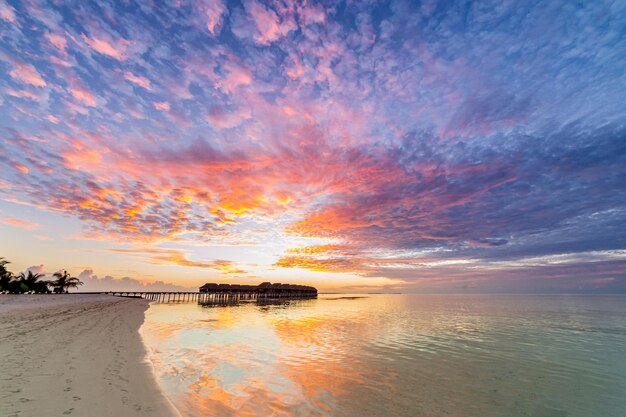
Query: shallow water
x=395, y=355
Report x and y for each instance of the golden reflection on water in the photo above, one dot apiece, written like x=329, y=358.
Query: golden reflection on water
x=389, y=355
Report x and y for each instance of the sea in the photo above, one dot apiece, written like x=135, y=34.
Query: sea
x=380, y=355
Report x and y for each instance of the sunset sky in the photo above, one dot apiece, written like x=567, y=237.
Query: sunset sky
x=354, y=146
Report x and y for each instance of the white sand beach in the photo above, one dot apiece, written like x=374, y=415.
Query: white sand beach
x=76, y=355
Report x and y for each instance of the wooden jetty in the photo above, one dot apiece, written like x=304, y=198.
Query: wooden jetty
x=158, y=296
x=213, y=293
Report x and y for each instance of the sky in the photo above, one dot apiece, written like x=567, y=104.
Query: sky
x=355, y=146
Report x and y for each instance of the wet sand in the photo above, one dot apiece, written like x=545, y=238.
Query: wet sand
x=75, y=355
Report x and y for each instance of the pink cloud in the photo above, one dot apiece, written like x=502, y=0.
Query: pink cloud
x=105, y=48
x=312, y=13
x=81, y=93
x=22, y=94
x=57, y=41
x=19, y=223
x=27, y=74
x=270, y=27
x=214, y=11
x=236, y=76
x=75, y=108
x=87, y=97
x=138, y=80
x=60, y=62
x=7, y=12
x=36, y=269
x=162, y=105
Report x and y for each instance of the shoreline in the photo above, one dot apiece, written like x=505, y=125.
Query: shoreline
x=77, y=355
x=173, y=411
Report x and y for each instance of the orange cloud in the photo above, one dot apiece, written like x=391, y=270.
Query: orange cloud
x=21, y=168
x=172, y=256
x=82, y=158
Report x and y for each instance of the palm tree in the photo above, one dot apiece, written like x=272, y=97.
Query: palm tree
x=6, y=277
x=64, y=282
x=7, y=282
x=31, y=282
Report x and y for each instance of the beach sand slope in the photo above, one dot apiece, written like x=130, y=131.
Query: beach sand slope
x=75, y=355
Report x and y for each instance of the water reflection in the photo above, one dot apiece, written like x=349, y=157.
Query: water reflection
x=394, y=355
x=234, y=302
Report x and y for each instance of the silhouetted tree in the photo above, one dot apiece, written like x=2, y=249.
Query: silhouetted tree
x=30, y=282
x=6, y=278
x=64, y=282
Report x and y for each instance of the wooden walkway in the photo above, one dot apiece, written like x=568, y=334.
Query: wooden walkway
x=159, y=296
x=190, y=297
x=223, y=294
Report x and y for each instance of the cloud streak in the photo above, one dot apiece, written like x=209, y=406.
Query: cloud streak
x=19, y=223
x=176, y=257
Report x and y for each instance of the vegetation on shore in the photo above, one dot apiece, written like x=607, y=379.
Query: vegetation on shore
x=30, y=282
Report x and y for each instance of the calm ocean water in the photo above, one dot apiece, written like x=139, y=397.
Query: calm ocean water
x=395, y=355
